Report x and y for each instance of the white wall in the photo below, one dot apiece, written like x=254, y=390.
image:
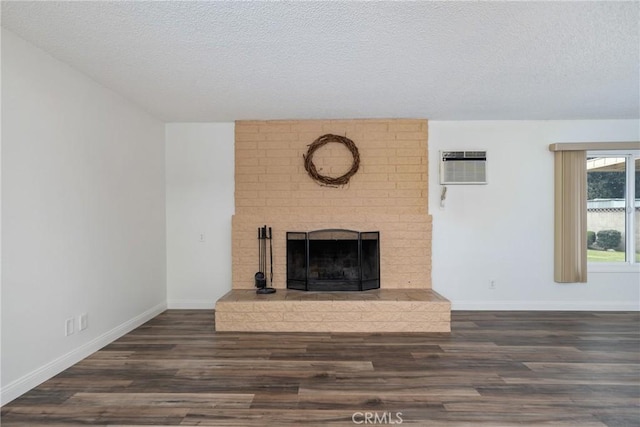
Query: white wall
x=200, y=188
x=503, y=231
x=83, y=215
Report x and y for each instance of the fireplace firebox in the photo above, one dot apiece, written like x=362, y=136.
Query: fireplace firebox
x=333, y=260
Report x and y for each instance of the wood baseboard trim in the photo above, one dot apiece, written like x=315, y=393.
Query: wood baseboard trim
x=190, y=304
x=545, y=306
x=31, y=380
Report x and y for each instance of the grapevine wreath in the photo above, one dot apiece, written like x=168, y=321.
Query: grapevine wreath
x=328, y=180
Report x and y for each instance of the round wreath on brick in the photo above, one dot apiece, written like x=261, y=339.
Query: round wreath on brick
x=328, y=180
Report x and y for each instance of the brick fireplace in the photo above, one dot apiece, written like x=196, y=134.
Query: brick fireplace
x=388, y=194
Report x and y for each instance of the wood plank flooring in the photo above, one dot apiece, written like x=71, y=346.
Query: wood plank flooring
x=494, y=369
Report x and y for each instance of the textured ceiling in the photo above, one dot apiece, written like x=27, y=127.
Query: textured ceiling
x=223, y=61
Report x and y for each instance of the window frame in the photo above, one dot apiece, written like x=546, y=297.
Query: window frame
x=630, y=264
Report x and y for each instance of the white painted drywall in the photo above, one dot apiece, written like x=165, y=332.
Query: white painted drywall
x=200, y=188
x=83, y=215
x=503, y=231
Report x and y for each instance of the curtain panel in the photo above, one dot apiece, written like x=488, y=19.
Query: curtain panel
x=570, y=218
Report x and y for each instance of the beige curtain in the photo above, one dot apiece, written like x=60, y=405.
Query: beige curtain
x=570, y=228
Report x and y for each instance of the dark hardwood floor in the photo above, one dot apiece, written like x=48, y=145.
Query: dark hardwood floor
x=494, y=369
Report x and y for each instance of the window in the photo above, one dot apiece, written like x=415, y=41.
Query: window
x=574, y=165
x=613, y=207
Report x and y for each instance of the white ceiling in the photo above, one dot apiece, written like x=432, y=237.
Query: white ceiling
x=223, y=61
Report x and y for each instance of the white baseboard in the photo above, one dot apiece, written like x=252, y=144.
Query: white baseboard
x=546, y=305
x=191, y=304
x=27, y=382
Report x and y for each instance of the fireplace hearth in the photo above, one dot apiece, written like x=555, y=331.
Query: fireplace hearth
x=333, y=260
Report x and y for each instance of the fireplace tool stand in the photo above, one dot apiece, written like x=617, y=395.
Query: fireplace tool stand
x=261, y=275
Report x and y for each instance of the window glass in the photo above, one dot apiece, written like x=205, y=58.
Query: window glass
x=606, y=209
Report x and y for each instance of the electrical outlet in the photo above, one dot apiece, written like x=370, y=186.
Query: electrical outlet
x=83, y=321
x=492, y=284
x=69, y=327
x=202, y=238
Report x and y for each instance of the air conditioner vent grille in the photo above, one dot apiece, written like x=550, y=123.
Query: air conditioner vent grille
x=463, y=167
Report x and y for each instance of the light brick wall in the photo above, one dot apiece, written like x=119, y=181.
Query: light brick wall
x=388, y=194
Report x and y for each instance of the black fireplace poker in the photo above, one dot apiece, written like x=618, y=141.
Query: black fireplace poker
x=261, y=275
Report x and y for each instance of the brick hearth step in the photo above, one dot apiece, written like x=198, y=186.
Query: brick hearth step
x=380, y=310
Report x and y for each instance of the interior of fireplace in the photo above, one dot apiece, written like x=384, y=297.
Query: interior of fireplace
x=333, y=260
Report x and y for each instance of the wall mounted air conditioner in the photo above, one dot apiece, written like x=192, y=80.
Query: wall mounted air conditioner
x=463, y=167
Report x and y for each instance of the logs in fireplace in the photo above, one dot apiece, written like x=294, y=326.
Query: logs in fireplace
x=333, y=260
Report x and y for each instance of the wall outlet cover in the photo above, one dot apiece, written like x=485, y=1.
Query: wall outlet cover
x=83, y=321
x=69, y=327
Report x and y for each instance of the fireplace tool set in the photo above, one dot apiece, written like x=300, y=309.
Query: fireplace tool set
x=264, y=234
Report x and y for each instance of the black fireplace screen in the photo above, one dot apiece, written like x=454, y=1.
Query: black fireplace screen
x=333, y=260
